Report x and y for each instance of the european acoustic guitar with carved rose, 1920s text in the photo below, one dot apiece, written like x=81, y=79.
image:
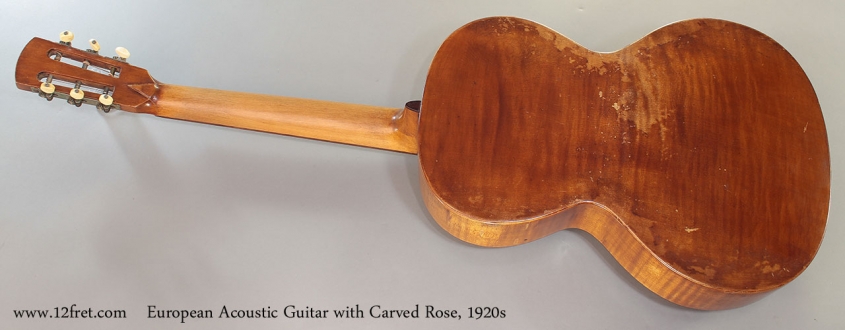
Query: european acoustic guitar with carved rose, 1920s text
x=697, y=156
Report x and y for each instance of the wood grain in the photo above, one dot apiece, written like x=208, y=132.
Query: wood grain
x=361, y=125
x=134, y=90
x=698, y=155
x=132, y=86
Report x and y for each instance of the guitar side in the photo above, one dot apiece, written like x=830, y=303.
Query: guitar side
x=697, y=156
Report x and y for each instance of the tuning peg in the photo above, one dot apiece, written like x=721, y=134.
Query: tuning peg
x=122, y=54
x=95, y=46
x=105, y=102
x=47, y=89
x=75, y=95
x=65, y=38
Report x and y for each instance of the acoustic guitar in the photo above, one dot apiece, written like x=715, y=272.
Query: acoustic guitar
x=697, y=156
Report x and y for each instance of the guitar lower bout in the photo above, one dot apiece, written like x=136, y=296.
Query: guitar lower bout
x=609, y=230
x=697, y=155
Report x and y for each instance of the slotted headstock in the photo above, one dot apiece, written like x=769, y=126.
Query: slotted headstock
x=53, y=69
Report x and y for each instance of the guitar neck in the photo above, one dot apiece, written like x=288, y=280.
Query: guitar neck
x=360, y=125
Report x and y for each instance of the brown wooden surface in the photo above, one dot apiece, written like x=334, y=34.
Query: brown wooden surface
x=135, y=90
x=131, y=88
x=368, y=126
x=702, y=147
x=697, y=156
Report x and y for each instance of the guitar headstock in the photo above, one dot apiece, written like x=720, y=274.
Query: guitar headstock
x=53, y=69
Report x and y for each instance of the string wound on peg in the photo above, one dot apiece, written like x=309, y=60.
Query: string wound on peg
x=81, y=77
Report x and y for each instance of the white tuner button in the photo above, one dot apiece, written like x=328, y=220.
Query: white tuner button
x=106, y=100
x=123, y=53
x=76, y=94
x=95, y=46
x=48, y=88
x=66, y=36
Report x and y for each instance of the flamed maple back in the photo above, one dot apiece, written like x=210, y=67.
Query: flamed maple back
x=701, y=146
x=698, y=155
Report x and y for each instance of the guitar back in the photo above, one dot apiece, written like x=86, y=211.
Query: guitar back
x=697, y=155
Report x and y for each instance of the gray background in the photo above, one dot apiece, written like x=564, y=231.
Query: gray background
x=121, y=211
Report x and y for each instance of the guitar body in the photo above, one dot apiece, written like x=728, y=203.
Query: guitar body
x=697, y=155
